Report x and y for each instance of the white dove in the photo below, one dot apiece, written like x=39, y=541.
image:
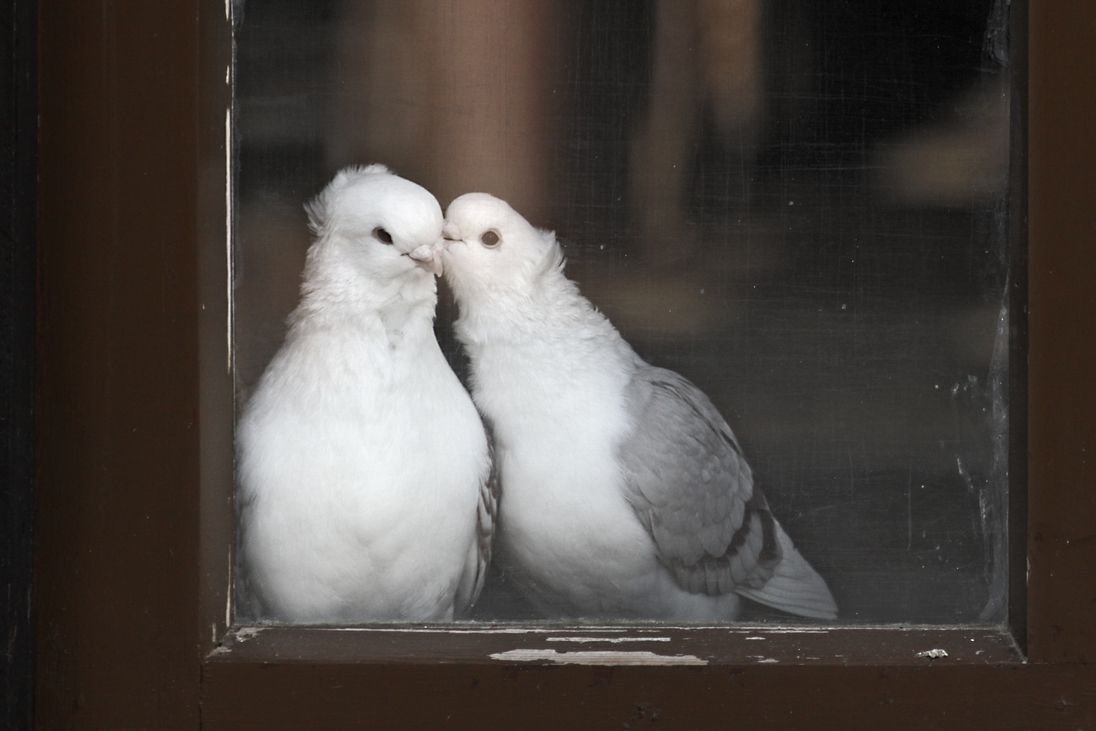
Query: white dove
x=624, y=492
x=362, y=463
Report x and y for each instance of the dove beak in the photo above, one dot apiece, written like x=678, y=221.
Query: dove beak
x=426, y=256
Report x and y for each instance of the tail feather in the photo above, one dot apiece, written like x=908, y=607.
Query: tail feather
x=795, y=587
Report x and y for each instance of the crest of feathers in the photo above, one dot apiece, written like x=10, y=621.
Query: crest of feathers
x=319, y=209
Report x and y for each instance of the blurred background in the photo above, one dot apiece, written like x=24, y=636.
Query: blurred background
x=798, y=204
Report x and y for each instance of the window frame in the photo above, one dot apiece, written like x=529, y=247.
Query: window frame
x=134, y=424
x=17, y=319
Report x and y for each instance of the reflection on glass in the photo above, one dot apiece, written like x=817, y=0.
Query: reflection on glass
x=800, y=207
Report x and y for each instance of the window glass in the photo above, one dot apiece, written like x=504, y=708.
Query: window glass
x=800, y=207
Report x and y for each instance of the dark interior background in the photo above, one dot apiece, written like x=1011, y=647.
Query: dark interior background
x=801, y=206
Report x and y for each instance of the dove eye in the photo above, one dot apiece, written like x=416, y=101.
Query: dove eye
x=490, y=238
x=381, y=235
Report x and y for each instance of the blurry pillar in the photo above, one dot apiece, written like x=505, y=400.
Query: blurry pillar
x=457, y=95
x=707, y=57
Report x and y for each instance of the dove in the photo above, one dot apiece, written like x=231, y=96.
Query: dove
x=363, y=467
x=624, y=493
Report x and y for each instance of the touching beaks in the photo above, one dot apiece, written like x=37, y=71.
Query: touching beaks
x=428, y=257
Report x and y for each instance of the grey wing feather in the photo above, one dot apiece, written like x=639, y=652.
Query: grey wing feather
x=486, y=519
x=692, y=489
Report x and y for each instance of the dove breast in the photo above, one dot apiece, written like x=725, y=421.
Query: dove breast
x=360, y=468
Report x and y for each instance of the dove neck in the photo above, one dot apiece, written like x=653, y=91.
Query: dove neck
x=552, y=310
x=335, y=294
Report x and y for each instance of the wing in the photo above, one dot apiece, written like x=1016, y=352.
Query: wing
x=692, y=489
x=475, y=572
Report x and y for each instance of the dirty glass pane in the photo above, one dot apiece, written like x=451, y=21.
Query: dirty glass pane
x=799, y=206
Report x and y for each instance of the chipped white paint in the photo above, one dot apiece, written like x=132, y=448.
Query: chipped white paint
x=230, y=593
x=757, y=638
x=248, y=633
x=767, y=661
x=228, y=235
x=460, y=630
x=933, y=654
x=607, y=639
x=596, y=657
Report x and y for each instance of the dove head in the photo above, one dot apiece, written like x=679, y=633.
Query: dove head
x=491, y=251
x=373, y=229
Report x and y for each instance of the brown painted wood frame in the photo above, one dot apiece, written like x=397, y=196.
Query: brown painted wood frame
x=134, y=438
x=18, y=173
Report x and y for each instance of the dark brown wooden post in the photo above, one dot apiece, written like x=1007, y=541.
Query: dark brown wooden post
x=116, y=597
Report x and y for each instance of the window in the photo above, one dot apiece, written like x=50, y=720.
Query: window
x=801, y=207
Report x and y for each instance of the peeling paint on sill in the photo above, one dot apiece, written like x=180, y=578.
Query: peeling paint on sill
x=606, y=639
x=248, y=633
x=457, y=630
x=596, y=657
x=933, y=654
